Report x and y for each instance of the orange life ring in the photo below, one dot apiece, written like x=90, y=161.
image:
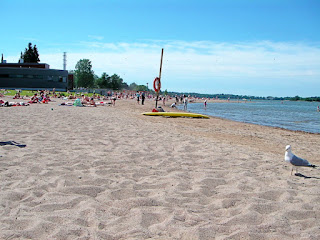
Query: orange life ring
x=156, y=84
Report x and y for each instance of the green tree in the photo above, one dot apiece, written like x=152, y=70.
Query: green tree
x=84, y=74
x=125, y=85
x=133, y=86
x=296, y=98
x=104, y=81
x=31, y=54
x=141, y=88
x=116, y=82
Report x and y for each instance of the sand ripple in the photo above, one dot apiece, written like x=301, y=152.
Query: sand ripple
x=109, y=173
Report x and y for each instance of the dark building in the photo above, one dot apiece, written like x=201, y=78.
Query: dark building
x=32, y=76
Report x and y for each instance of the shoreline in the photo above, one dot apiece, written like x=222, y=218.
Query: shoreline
x=109, y=172
x=224, y=118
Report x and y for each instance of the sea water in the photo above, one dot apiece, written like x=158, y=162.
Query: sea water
x=301, y=116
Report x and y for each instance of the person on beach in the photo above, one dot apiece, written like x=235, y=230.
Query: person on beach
x=205, y=103
x=84, y=99
x=34, y=98
x=318, y=109
x=92, y=102
x=12, y=104
x=113, y=100
x=173, y=105
x=142, y=98
x=160, y=109
x=138, y=97
x=17, y=95
x=185, y=104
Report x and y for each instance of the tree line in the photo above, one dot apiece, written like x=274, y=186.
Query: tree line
x=232, y=96
x=85, y=77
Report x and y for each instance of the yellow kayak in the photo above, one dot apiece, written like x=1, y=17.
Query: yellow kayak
x=175, y=114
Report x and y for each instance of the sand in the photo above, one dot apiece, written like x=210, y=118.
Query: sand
x=112, y=173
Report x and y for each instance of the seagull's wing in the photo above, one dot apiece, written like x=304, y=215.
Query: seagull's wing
x=296, y=161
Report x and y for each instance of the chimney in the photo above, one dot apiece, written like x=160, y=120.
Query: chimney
x=64, y=61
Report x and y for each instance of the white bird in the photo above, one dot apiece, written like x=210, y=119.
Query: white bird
x=296, y=161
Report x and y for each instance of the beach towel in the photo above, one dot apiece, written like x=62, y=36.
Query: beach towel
x=77, y=103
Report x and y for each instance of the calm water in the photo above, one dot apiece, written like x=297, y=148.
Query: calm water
x=301, y=116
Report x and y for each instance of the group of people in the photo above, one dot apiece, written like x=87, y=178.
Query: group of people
x=142, y=96
x=184, y=100
x=85, y=100
x=43, y=98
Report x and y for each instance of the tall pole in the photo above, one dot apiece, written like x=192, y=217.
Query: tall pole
x=161, y=64
x=159, y=78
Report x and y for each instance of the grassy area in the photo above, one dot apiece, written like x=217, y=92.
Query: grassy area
x=31, y=93
x=22, y=93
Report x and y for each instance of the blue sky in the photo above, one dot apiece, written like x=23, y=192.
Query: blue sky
x=261, y=48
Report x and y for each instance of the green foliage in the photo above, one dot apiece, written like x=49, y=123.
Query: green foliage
x=32, y=92
x=104, y=81
x=141, y=88
x=313, y=99
x=116, y=82
x=22, y=92
x=30, y=54
x=84, y=75
x=125, y=85
x=296, y=98
x=135, y=87
x=232, y=96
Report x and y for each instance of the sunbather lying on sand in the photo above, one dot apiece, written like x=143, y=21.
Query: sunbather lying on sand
x=17, y=96
x=12, y=104
x=34, y=99
x=91, y=103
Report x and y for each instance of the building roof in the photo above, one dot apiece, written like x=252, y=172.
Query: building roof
x=25, y=65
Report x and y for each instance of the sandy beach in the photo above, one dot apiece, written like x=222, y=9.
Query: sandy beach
x=111, y=173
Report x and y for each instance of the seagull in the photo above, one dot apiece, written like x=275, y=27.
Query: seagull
x=296, y=161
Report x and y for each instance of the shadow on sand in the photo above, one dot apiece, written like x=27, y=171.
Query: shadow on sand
x=304, y=176
x=12, y=143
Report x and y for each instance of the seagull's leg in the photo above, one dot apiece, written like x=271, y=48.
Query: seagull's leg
x=291, y=171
